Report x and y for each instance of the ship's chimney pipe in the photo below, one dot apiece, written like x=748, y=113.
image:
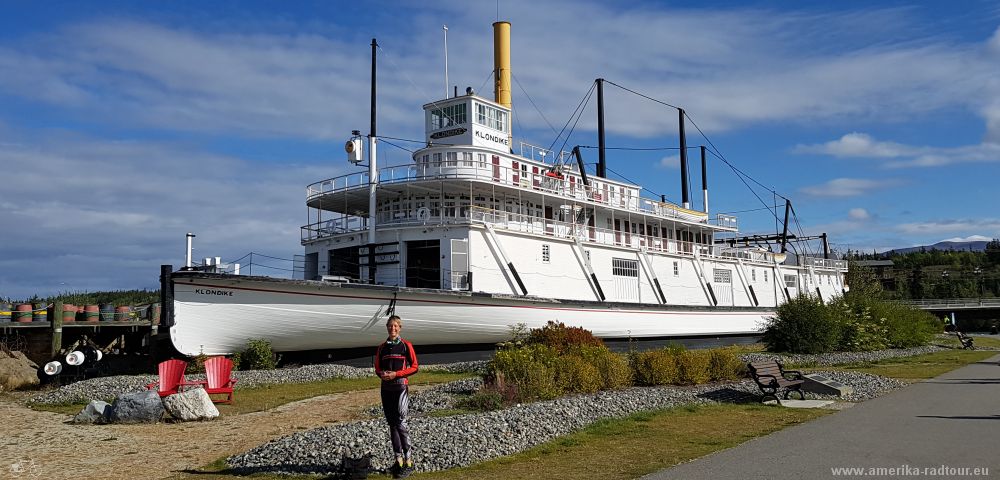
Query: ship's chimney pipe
x=187, y=256
x=501, y=67
x=685, y=201
x=602, y=165
x=704, y=179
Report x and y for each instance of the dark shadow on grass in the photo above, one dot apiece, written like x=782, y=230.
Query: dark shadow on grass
x=729, y=395
x=967, y=381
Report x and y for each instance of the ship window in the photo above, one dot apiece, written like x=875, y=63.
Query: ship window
x=437, y=159
x=721, y=275
x=677, y=269
x=482, y=160
x=452, y=159
x=426, y=159
x=491, y=117
x=765, y=276
x=545, y=253
x=790, y=281
x=467, y=159
x=625, y=268
x=448, y=116
x=753, y=275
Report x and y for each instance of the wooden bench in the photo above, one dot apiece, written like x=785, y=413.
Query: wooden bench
x=966, y=340
x=772, y=377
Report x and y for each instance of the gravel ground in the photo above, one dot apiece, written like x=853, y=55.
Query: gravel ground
x=455, y=441
x=110, y=387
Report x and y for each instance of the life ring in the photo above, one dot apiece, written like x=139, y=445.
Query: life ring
x=423, y=214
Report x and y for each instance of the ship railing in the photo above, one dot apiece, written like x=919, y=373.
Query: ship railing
x=827, y=263
x=750, y=254
x=564, y=186
x=541, y=226
x=516, y=222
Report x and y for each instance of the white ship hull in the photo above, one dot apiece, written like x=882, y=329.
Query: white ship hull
x=218, y=314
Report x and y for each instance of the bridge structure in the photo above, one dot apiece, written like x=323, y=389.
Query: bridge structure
x=970, y=314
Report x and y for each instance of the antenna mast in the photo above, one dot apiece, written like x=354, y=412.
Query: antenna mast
x=445, y=27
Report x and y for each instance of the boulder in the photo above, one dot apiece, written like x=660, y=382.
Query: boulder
x=95, y=412
x=190, y=405
x=142, y=407
x=16, y=371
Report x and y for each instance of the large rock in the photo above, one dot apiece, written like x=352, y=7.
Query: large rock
x=191, y=405
x=16, y=371
x=142, y=407
x=95, y=412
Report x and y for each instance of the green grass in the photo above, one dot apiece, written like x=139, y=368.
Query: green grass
x=919, y=367
x=617, y=449
x=266, y=397
x=979, y=342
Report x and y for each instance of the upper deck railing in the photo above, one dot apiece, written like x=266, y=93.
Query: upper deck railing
x=542, y=182
x=822, y=262
x=537, y=226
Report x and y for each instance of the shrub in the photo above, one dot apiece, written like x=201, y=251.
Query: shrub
x=802, y=325
x=576, y=375
x=654, y=367
x=257, y=356
x=906, y=326
x=725, y=364
x=613, y=367
x=560, y=337
x=196, y=365
x=483, y=400
x=692, y=366
x=525, y=373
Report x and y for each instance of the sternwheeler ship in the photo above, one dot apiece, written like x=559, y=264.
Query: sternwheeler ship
x=479, y=233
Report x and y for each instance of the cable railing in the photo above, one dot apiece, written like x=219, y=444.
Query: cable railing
x=530, y=224
x=566, y=185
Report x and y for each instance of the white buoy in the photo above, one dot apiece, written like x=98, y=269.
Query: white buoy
x=53, y=368
x=75, y=358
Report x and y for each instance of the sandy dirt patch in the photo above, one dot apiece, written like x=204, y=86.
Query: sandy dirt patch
x=43, y=445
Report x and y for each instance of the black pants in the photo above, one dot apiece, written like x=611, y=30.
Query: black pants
x=395, y=403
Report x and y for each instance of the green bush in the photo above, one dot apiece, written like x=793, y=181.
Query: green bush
x=561, y=338
x=614, y=368
x=725, y=364
x=693, y=366
x=483, y=400
x=906, y=326
x=802, y=325
x=525, y=373
x=257, y=356
x=576, y=375
x=654, y=367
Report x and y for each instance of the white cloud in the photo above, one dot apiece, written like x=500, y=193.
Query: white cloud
x=847, y=187
x=950, y=226
x=672, y=162
x=728, y=68
x=970, y=238
x=92, y=214
x=858, y=214
x=861, y=145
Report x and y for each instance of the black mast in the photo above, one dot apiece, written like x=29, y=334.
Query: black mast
x=601, y=165
x=685, y=201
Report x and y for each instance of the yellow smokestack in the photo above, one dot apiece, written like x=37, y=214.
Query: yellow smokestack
x=501, y=63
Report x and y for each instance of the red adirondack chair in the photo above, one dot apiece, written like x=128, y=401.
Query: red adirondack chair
x=218, y=379
x=171, y=377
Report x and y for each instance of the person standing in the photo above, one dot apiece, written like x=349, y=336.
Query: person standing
x=395, y=360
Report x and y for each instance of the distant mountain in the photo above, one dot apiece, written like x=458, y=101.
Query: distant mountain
x=977, y=246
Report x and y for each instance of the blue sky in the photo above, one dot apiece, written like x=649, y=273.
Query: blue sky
x=124, y=125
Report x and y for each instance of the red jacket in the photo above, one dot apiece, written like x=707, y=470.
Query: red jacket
x=396, y=357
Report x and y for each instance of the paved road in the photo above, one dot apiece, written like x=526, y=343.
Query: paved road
x=951, y=421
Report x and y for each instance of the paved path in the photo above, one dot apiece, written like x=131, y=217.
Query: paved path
x=952, y=421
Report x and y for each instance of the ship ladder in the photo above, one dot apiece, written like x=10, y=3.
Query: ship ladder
x=588, y=270
x=741, y=270
x=651, y=276
x=506, y=265
x=705, y=285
